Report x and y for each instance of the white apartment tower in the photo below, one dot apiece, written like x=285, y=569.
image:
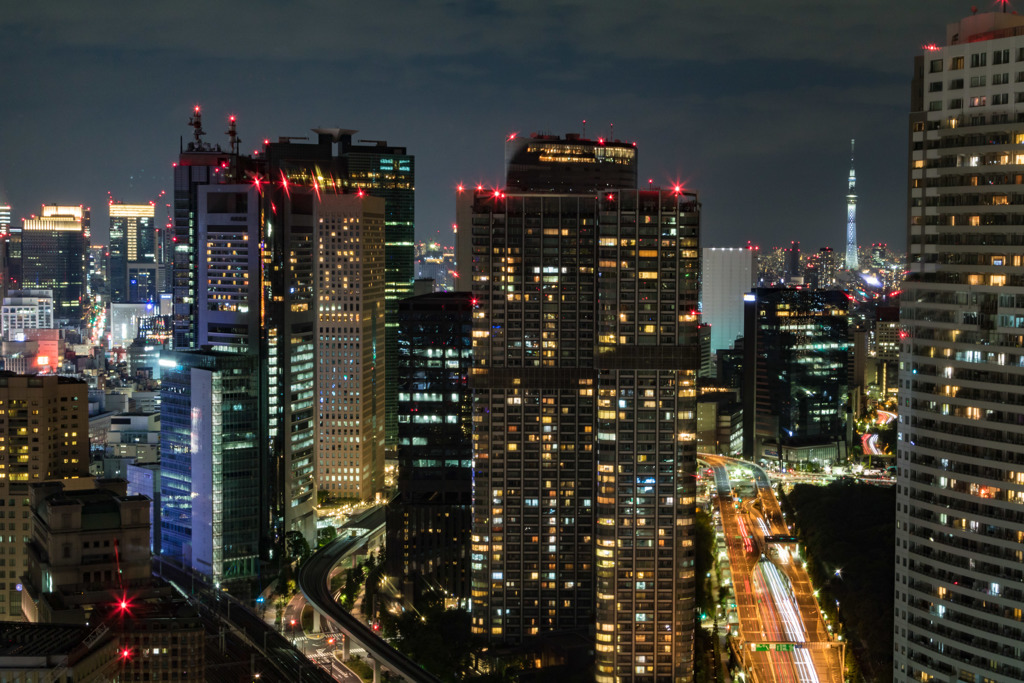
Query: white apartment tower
x=350, y=345
x=726, y=275
x=959, y=603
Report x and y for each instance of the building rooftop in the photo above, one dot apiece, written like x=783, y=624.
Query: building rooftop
x=38, y=640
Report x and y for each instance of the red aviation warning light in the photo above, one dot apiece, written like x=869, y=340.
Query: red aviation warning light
x=126, y=653
x=931, y=47
x=360, y=192
x=460, y=188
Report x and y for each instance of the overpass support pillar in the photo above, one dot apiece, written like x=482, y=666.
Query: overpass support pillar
x=316, y=621
x=344, y=646
x=376, y=671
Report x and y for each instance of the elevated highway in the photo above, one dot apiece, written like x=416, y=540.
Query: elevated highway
x=314, y=582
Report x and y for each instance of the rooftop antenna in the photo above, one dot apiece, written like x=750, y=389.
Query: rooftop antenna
x=232, y=134
x=196, y=121
x=611, y=132
x=584, y=129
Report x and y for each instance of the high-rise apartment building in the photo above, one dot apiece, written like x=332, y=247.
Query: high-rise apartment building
x=429, y=521
x=350, y=305
x=44, y=424
x=389, y=172
x=960, y=471
x=726, y=275
x=796, y=375
x=584, y=373
x=134, y=271
x=54, y=250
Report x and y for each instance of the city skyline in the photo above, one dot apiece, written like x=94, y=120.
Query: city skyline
x=788, y=99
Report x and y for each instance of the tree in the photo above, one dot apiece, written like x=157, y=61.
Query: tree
x=298, y=547
x=325, y=536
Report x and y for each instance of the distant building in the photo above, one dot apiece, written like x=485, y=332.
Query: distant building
x=436, y=263
x=796, y=375
x=54, y=248
x=430, y=520
x=793, y=268
x=125, y=320
x=29, y=309
x=45, y=431
x=135, y=436
x=719, y=420
x=726, y=275
x=133, y=254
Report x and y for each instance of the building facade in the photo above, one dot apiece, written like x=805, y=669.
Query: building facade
x=54, y=250
x=30, y=309
x=133, y=268
x=350, y=308
x=388, y=172
x=44, y=423
x=726, y=275
x=796, y=382
x=430, y=520
x=959, y=600
x=212, y=476
x=584, y=373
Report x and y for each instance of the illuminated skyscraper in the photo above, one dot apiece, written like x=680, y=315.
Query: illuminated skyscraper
x=212, y=472
x=54, y=249
x=350, y=406
x=5, y=219
x=960, y=469
x=584, y=377
x=134, y=272
x=389, y=172
x=796, y=382
x=429, y=521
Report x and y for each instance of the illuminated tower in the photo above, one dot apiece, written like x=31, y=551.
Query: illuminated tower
x=851, y=218
x=960, y=473
x=350, y=405
x=585, y=361
x=133, y=268
x=54, y=249
x=389, y=172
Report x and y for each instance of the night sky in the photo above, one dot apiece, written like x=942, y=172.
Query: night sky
x=753, y=104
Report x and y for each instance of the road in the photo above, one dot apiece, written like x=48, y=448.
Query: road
x=279, y=660
x=780, y=635
x=314, y=582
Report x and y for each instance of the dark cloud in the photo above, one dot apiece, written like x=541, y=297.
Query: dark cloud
x=753, y=103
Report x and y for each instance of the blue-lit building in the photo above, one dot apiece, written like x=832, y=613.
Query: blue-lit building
x=796, y=375
x=210, y=492
x=430, y=520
